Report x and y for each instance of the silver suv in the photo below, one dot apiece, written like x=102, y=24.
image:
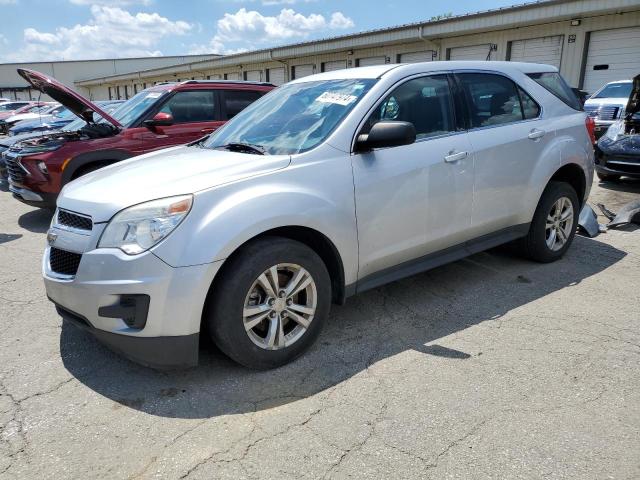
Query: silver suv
x=326, y=187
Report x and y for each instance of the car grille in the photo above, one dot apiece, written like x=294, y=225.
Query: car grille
x=603, y=112
x=74, y=220
x=14, y=169
x=63, y=262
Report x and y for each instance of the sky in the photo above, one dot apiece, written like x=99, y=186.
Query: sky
x=40, y=30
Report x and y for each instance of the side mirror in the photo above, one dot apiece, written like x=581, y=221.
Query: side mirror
x=386, y=134
x=160, y=119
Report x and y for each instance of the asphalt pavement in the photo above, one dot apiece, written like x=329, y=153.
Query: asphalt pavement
x=492, y=367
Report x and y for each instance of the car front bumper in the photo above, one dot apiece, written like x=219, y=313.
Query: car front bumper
x=169, y=334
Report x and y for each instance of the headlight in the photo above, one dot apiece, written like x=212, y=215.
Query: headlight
x=138, y=228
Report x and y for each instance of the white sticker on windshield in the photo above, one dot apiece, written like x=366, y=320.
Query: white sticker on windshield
x=153, y=94
x=339, y=98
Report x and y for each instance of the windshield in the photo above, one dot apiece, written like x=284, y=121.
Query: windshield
x=615, y=90
x=125, y=112
x=293, y=118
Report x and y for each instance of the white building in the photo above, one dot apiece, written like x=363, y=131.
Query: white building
x=69, y=72
x=591, y=41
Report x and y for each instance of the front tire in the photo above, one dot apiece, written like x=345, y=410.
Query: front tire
x=270, y=303
x=554, y=224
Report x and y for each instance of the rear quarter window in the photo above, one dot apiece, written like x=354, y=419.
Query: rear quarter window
x=554, y=83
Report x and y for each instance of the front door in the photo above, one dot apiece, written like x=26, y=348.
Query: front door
x=194, y=114
x=413, y=200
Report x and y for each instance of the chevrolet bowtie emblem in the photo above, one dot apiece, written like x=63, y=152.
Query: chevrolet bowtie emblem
x=51, y=238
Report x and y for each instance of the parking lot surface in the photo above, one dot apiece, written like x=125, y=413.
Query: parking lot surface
x=491, y=367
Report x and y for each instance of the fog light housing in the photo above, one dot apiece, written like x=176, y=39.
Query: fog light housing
x=132, y=309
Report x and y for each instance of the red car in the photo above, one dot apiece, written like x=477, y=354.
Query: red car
x=14, y=108
x=161, y=116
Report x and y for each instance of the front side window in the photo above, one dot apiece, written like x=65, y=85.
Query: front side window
x=237, y=100
x=293, y=118
x=191, y=106
x=425, y=102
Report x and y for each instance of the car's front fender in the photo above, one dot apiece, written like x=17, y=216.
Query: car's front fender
x=318, y=196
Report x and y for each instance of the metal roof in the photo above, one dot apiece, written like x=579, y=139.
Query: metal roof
x=529, y=13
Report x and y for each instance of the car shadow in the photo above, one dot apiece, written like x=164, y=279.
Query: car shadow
x=414, y=313
x=36, y=221
x=625, y=184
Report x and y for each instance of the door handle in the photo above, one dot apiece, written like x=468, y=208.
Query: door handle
x=535, y=134
x=455, y=157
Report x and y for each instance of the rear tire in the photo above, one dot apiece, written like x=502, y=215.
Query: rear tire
x=554, y=224
x=263, y=324
x=606, y=177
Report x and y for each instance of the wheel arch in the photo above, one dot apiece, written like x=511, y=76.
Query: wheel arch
x=316, y=241
x=79, y=162
x=574, y=175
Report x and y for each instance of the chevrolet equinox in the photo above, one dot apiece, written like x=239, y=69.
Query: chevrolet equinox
x=326, y=187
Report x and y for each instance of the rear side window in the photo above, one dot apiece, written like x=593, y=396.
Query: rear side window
x=237, y=100
x=496, y=100
x=554, y=83
x=191, y=106
x=426, y=102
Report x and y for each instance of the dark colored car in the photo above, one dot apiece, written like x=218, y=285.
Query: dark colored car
x=162, y=116
x=5, y=142
x=618, y=150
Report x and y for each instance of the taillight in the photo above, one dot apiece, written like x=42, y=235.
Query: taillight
x=591, y=126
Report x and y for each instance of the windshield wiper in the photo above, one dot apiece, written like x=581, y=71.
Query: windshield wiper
x=244, y=147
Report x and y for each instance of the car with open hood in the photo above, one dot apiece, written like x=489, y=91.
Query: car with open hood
x=618, y=151
x=328, y=186
x=161, y=116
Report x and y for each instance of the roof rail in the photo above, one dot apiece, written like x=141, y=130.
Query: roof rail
x=239, y=82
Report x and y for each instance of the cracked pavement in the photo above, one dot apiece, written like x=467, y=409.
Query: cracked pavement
x=491, y=367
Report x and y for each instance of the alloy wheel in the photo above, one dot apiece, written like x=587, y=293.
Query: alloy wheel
x=280, y=306
x=559, y=224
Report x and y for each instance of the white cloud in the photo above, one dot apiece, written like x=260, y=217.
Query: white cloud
x=111, y=32
x=111, y=3
x=251, y=28
x=338, y=20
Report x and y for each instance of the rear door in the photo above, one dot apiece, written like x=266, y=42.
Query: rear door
x=195, y=113
x=234, y=101
x=414, y=199
x=508, y=138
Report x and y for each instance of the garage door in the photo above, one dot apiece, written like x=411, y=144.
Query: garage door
x=415, y=57
x=276, y=76
x=538, y=50
x=300, y=71
x=612, y=55
x=335, y=65
x=368, y=61
x=474, y=52
x=253, y=75
x=232, y=76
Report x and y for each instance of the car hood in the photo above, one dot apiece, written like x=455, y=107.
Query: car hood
x=79, y=105
x=8, y=141
x=174, y=171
